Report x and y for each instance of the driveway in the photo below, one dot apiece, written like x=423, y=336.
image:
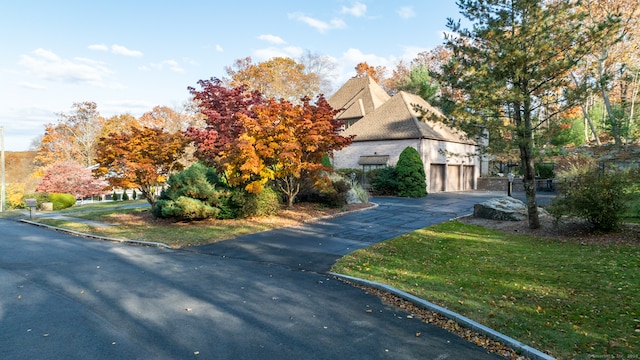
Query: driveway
x=263, y=296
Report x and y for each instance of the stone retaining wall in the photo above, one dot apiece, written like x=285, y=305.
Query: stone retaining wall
x=501, y=184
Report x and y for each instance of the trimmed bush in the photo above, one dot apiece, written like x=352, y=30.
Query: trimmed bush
x=193, y=184
x=184, y=208
x=264, y=203
x=125, y=196
x=544, y=170
x=412, y=181
x=596, y=197
x=383, y=181
x=62, y=201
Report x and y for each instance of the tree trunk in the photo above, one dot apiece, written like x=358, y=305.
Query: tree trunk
x=615, y=131
x=290, y=186
x=634, y=93
x=587, y=118
x=525, y=144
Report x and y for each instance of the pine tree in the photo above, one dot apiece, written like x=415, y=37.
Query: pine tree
x=517, y=57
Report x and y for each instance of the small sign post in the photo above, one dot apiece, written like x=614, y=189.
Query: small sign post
x=31, y=204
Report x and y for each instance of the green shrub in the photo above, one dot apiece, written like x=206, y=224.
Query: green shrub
x=598, y=198
x=198, y=192
x=193, y=184
x=326, y=162
x=265, y=203
x=544, y=170
x=410, y=174
x=383, y=181
x=62, y=201
x=125, y=196
x=40, y=198
x=573, y=165
x=114, y=196
x=134, y=195
x=336, y=195
x=184, y=208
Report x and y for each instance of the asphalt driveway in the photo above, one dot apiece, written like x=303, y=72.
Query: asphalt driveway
x=263, y=296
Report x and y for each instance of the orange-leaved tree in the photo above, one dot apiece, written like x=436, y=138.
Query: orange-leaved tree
x=140, y=158
x=267, y=139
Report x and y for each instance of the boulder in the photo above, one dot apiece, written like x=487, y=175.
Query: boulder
x=505, y=208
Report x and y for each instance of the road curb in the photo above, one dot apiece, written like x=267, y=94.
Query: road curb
x=522, y=348
x=90, y=236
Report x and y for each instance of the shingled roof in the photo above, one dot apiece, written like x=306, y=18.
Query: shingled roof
x=397, y=119
x=358, y=97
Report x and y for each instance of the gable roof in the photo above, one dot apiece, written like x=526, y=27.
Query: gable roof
x=397, y=119
x=358, y=97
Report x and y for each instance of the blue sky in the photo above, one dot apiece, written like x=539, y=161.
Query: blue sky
x=129, y=56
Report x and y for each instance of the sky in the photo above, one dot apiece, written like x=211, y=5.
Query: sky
x=129, y=56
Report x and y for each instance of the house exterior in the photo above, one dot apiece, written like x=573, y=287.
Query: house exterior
x=383, y=126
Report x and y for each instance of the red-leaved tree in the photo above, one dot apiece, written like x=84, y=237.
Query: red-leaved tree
x=221, y=106
x=251, y=140
x=69, y=177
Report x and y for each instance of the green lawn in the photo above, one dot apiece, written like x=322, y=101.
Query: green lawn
x=137, y=224
x=567, y=299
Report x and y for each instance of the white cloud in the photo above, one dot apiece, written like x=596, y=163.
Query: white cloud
x=318, y=24
x=357, y=10
x=121, y=50
x=410, y=52
x=406, y=12
x=116, y=49
x=355, y=56
x=99, y=47
x=45, y=64
x=272, y=39
x=219, y=48
x=171, y=64
x=29, y=85
x=133, y=107
x=272, y=52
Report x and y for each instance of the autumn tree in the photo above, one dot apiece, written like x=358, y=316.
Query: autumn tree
x=141, y=158
x=221, y=107
x=280, y=77
x=323, y=67
x=264, y=139
x=70, y=177
x=377, y=73
x=517, y=52
x=164, y=117
x=614, y=61
x=118, y=123
x=73, y=137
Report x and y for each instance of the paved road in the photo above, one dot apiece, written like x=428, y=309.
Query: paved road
x=265, y=296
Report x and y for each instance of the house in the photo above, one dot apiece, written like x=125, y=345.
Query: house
x=385, y=125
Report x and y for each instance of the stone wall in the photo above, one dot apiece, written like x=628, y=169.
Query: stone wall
x=501, y=183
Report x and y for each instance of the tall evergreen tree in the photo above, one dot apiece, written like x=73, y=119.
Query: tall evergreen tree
x=517, y=54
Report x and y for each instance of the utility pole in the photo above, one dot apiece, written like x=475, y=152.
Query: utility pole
x=2, y=188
